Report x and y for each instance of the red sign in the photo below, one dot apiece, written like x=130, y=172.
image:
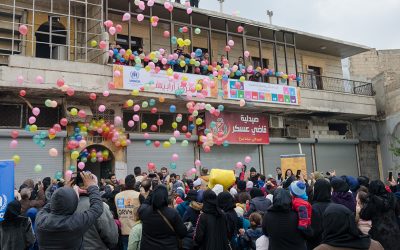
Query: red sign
x=239, y=128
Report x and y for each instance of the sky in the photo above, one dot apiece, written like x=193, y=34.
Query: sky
x=374, y=23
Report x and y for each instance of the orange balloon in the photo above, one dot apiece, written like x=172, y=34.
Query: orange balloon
x=161, y=99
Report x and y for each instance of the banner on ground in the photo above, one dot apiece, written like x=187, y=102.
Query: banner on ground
x=6, y=185
x=293, y=162
x=261, y=92
x=137, y=79
x=239, y=128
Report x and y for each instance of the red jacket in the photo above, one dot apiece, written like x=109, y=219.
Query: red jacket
x=304, y=209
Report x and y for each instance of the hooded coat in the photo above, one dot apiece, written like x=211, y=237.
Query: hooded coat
x=227, y=203
x=380, y=209
x=258, y=202
x=16, y=232
x=211, y=231
x=280, y=224
x=59, y=226
x=341, y=194
x=321, y=200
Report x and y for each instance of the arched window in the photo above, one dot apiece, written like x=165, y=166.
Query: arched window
x=51, y=38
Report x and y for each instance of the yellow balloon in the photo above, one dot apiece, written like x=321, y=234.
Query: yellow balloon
x=199, y=87
x=135, y=92
x=33, y=128
x=51, y=137
x=128, y=52
x=182, y=63
x=74, y=155
x=199, y=121
x=174, y=125
x=144, y=125
x=147, y=68
x=192, y=61
x=93, y=43
x=242, y=79
x=166, y=144
x=16, y=159
x=170, y=72
x=123, y=143
x=187, y=42
x=74, y=111
x=180, y=40
x=129, y=103
x=185, y=78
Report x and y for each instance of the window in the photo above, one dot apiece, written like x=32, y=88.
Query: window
x=256, y=62
x=123, y=41
x=47, y=117
x=151, y=119
x=11, y=115
x=107, y=115
x=314, y=75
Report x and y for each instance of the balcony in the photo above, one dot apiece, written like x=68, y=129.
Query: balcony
x=313, y=81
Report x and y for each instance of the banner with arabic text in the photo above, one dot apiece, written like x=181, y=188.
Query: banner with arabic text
x=239, y=128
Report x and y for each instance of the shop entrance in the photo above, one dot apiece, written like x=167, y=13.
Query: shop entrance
x=99, y=160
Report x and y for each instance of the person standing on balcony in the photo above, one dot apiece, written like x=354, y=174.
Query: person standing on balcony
x=194, y=3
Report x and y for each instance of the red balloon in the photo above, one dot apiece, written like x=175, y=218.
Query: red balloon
x=184, y=128
x=92, y=96
x=188, y=135
x=151, y=166
x=14, y=134
x=64, y=122
x=157, y=144
x=22, y=93
x=153, y=128
x=154, y=110
x=160, y=122
x=191, y=118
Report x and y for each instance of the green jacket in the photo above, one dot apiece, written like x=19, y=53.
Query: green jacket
x=135, y=236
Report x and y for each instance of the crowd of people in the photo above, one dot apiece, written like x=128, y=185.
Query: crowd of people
x=159, y=210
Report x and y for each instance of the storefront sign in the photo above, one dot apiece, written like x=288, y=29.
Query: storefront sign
x=261, y=92
x=136, y=79
x=239, y=128
x=6, y=185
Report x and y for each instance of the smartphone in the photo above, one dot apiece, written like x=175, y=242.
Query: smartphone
x=327, y=173
x=298, y=172
x=152, y=175
x=390, y=175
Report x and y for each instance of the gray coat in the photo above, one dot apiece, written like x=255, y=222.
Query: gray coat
x=16, y=234
x=59, y=226
x=103, y=234
x=258, y=204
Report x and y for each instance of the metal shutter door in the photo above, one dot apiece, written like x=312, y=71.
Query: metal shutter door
x=138, y=154
x=339, y=157
x=272, y=155
x=31, y=154
x=227, y=157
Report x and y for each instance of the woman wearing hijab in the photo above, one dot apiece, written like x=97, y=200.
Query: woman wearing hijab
x=227, y=204
x=211, y=230
x=321, y=200
x=380, y=209
x=280, y=224
x=341, y=193
x=16, y=231
x=162, y=227
x=341, y=232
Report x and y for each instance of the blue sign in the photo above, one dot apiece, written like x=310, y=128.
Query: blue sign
x=6, y=185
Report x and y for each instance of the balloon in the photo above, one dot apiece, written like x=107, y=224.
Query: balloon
x=35, y=111
x=172, y=108
x=53, y=152
x=242, y=102
x=153, y=128
x=32, y=120
x=38, y=168
x=16, y=159
x=22, y=92
x=172, y=165
x=152, y=102
x=131, y=123
x=23, y=29
x=126, y=17
x=92, y=96
x=70, y=91
x=150, y=3
x=239, y=164
x=106, y=93
x=161, y=99
x=74, y=155
x=20, y=79
x=174, y=125
x=197, y=163
x=177, y=133
x=147, y=142
x=81, y=165
x=240, y=29
x=197, y=31
x=143, y=125
x=39, y=79
x=166, y=144
x=102, y=108
x=117, y=120
x=118, y=28
x=82, y=143
x=14, y=134
x=58, y=175
x=102, y=45
x=189, y=11
x=145, y=104
x=225, y=144
x=246, y=54
x=227, y=48
x=151, y=166
x=135, y=92
x=13, y=144
x=157, y=144
x=64, y=122
x=154, y=110
x=199, y=121
x=175, y=157
x=247, y=159
x=140, y=17
x=188, y=135
x=93, y=43
x=172, y=140
x=221, y=107
x=231, y=43
x=184, y=143
x=108, y=23
x=112, y=31
x=193, y=170
x=135, y=118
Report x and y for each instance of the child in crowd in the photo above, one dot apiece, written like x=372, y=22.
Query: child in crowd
x=248, y=237
x=135, y=235
x=301, y=205
x=362, y=196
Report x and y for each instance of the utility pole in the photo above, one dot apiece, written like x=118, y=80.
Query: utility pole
x=270, y=13
x=221, y=3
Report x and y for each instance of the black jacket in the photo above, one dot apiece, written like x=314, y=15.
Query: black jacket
x=156, y=234
x=16, y=234
x=258, y=204
x=59, y=226
x=211, y=232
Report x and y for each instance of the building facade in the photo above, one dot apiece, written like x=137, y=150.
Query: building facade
x=325, y=123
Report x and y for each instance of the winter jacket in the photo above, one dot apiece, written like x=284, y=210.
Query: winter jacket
x=374, y=246
x=346, y=199
x=304, y=210
x=36, y=203
x=248, y=240
x=192, y=213
x=16, y=234
x=211, y=232
x=258, y=204
x=59, y=226
x=103, y=234
x=156, y=234
x=126, y=202
x=318, y=209
x=181, y=208
x=135, y=236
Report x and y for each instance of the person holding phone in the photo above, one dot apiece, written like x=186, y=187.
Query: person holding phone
x=58, y=223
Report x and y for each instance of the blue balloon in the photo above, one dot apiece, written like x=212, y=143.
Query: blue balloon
x=212, y=124
x=115, y=51
x=174, y=39
x=172, y=108
x=191, y=126
x=78, y=137
x=152, y=102
x=27, y=128
x=187, y=60
x=43, y=134
x=226, y=144
x=172, y=165
x=42, y=144
x=148, y=142
x=238, y=73
x=77, y=130
x=198, y=52
x=221, y=107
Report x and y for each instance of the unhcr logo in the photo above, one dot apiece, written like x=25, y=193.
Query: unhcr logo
x=134, y=75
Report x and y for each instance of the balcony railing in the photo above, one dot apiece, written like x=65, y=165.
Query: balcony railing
x=313, y=81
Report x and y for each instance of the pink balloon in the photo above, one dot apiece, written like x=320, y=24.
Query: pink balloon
x=247, y=159
x=117, y=73
x=126, y=17
x=197, y=163
x=118, y=28
x=106, y=93
x=142, y=6
x=140, y=17
x=102, y=108
x=32, y=120
x=110, y=53
x=60, y=82
x=136, y=108
x=13, y=144
x=53, y=152
x=150, y=3
x=227, y=48
x=39, y=79
x=146, y=135
x=131, y=123
x=154, y=24
x=14, y=134
x=103, y=45
x=108, y=23
x=187, y=4
x=112, y=31
x=135, y=118
x=23, y=29
x=167, y=5
x=151, y=166
x=20, y=79
x=171, y=8
x=246, y=54
x=240, y=29
x=177, y=133
x=239, y=164
x=166, y=34
x=189, y=11
x=193, y=170
x=231, y=43
x=175, y=157
x=35, y=111
x=68, y=175
x=81, y=165
x=64, y=122
x=117, y=120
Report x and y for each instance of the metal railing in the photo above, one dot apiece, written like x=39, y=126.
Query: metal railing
x=313, y=81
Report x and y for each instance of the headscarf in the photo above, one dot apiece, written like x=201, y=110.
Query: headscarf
x=339, y=184
x=256, y=192
x=210, y=203
x=192, y=195
x=13, y=211
x=340, y=229
x=225, y=201
x=378, y=195
x=159, y=197
x=322, y=191
x=377, y=188
x=282, y=201
x=218, y=188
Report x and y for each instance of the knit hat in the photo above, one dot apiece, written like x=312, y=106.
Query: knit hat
x=339, y=184
x=218, y=188
x=197, y=182
x=298, y=188
x=249, y=185
x=241, y=185
x=253, y=169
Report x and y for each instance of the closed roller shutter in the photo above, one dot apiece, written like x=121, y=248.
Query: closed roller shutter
x=31, y=154
x=339, y=157
x=272, y=155
x=138, y=154
x=227, y=157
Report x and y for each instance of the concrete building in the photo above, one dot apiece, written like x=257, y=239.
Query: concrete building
x=382, y=67
x=325, y=123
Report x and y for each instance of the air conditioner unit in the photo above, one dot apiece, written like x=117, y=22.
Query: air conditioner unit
x=275, y=121
x=291, y=132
